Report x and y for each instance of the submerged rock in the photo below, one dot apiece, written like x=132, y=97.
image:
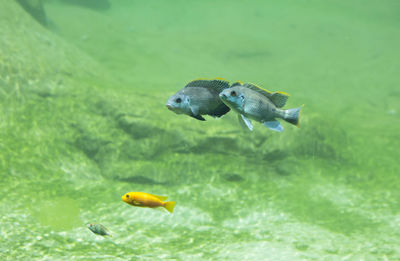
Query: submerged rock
x=140, y=180
x=35, y=8
x=232, y=177
x=93, y=4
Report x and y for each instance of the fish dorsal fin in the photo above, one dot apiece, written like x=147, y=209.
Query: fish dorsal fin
x=218, y=84
x=237, y=83
x=162, y=198
x=278, y=98
x=258, y=89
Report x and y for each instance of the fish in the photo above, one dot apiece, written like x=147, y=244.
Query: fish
x=252, y=102
x=99, y=229
x=200, y=97
x=147, y=200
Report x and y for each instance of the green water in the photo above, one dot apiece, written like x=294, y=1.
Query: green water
x=83, y=121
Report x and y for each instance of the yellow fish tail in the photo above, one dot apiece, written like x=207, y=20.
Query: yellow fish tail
x=298, y=122
x=293, y=116
x=170, y=206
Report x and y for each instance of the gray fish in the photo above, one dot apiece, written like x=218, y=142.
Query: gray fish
x=99, y=229
x=253, y=102
x=200, y=97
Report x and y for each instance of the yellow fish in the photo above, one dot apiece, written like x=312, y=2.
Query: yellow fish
x=142, y=199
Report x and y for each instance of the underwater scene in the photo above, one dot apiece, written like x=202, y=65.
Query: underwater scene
x=273, y=127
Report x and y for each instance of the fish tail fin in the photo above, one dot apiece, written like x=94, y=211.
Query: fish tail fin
x=293, y=116
x=170, y=206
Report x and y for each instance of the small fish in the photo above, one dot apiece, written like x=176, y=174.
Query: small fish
x=253, y=102
x=99, y=229
x=200, y=97
x=142, y=199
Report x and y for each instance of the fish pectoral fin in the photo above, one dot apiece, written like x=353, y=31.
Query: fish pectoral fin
x=136, y=203
x=198, y=117
x=162, y=198
x=273, y=125
x=245, y=122
x=194, y=110
x=195, y=113
x=241, y=122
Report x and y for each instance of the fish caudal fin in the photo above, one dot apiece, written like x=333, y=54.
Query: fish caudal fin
x=170, y=206
x=293, y=116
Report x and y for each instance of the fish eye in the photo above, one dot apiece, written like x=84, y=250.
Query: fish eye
x=178, y=100
x=127, y=196
x=233, y=93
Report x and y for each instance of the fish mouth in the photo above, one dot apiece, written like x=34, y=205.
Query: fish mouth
x=169, y=106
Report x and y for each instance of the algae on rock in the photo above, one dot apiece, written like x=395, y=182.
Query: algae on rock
x=33, y=58
x=35, y=8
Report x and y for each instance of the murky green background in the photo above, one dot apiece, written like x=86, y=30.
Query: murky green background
x=83, y=121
